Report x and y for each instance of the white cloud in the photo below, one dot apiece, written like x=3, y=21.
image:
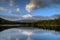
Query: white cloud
x=34, y=4
x=2, y=9
x=10, y=11
x=15, y=12
x=27, y=16
x=18, y=10
x=11, y=3
x=30, y=7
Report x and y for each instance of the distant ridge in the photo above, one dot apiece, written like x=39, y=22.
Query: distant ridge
x=21, y=19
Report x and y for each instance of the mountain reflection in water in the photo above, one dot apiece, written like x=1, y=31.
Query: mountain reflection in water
x=29, y=34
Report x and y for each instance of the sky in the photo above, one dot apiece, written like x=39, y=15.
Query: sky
x=34, y=7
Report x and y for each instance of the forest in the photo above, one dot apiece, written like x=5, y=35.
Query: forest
x=43, y=24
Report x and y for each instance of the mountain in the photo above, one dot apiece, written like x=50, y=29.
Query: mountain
x=56, y=16
x=22, y=19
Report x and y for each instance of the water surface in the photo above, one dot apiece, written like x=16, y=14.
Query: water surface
x=29, y=34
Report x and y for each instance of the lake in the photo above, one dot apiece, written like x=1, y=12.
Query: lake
x=29, y=34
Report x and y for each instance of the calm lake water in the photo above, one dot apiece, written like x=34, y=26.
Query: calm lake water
x=29, y=34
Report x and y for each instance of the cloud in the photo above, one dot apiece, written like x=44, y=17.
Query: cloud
x=2, y=9
x=17, y=11
x=30, y=7
x=10, y=11
x=11, y=3
x=27, y=16
x=34, y=4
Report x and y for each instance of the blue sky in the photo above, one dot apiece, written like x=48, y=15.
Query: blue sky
x=48, y=10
